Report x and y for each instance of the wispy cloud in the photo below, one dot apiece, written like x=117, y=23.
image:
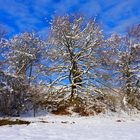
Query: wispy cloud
x=121, y=15
x=20, y=15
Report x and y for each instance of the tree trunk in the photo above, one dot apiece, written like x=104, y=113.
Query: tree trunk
x=76, y=79
x=128, y=83
x=22, y=71
x=30, y=74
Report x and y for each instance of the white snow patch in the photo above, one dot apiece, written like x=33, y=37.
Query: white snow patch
x=75, y=128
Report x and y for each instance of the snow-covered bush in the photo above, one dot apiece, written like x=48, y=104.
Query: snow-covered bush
x=58, y=101
x=13, y=95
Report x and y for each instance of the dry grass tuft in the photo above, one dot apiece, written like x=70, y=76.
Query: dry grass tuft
x=61, y=110
x=13, y=122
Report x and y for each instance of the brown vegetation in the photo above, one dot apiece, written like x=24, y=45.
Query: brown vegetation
x=13, y=122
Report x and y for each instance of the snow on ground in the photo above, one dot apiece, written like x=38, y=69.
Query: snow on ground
x=74, y=128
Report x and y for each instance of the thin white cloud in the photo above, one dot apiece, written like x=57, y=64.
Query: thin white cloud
x=122, y=15
x=31, y=13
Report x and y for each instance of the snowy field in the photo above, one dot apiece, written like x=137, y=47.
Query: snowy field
x=74, y=128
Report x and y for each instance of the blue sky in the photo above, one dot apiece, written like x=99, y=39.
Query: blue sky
x=113, y=15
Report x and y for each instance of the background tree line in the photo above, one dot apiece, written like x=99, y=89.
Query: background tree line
x=76, y=69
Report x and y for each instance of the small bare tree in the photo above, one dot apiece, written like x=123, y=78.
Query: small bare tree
x=123, y=61
x=24, y=54
x=2, y=45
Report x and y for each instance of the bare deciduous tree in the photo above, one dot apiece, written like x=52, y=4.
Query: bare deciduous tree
x=124, y=59
x=2, y=44
x=72, y=47
x=24, y=52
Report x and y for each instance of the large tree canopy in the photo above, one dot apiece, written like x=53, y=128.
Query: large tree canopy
x=73, y=46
